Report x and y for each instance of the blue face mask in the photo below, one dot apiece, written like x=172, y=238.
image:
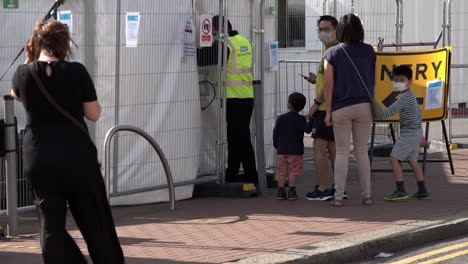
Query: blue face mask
x=216, y=38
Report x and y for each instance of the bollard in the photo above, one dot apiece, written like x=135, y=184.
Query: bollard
x=259, y=135
x=11, y=166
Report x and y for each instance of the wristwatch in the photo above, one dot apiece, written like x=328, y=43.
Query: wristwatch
x=317, y=102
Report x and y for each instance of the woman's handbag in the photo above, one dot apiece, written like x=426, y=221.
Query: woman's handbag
x=377, y=110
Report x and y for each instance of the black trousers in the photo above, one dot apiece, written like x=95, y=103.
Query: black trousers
x=93, y=217
x=240, y=150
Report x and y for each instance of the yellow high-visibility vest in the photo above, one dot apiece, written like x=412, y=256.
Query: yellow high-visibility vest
x=239, y=68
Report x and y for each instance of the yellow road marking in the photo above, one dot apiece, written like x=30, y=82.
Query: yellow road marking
x=84, y=250
x=430, y=253
x=446, y=257
x=19, y=246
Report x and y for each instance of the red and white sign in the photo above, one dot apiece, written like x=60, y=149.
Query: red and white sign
x=206, y=31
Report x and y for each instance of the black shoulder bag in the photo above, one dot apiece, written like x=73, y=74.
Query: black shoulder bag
x=57, y=107
x=377, y=110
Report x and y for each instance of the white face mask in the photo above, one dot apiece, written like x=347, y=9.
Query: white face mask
x=400, y=86
x=326, y=37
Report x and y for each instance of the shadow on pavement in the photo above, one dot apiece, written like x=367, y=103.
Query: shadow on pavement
x=29, y=258
x=448, y=196
x=206, y=225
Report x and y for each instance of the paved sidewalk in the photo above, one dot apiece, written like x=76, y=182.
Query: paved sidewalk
x=217, y=230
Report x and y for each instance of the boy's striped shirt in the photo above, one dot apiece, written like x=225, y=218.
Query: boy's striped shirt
x=408, y=108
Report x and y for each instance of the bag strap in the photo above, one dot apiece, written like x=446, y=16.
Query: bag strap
x=357, y=71
x=54, y=103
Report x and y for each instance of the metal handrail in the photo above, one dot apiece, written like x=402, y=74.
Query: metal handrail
x=299, y=61
x=107, y=150
x=459, y=66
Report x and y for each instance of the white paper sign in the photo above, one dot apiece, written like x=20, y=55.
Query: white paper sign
x=206, y=31
x=434, y=94
x=273, y=54
x=66, y=17
x=190, y=49
x=132, y=27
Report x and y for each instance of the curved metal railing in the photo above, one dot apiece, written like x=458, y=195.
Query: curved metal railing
x=107, y=149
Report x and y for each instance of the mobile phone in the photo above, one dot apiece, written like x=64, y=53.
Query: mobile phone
x=303, y=76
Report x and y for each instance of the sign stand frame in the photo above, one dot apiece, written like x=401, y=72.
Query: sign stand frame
x=392, y=132
x=424, y=160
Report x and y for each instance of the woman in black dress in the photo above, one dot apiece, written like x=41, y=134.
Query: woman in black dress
x=60, y=160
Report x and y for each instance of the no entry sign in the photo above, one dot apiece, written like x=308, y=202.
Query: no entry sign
x=430, y=80
x=206, y=31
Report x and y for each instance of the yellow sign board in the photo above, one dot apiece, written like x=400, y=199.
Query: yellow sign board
x=431, y=70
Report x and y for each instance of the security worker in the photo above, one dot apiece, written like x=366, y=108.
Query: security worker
x=239, y=101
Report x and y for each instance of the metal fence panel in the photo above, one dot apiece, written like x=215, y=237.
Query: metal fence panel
x=149, y=86
x=378, y=18
x=457, y=37
x=157, y=91
x=208, y=89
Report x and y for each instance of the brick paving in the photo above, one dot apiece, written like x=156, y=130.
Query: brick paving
x=216, y=230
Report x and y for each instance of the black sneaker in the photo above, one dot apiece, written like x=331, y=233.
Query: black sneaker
x=396, y=196
x=420, y=196
x=316, y=195
x=281, y=195
x=328, y=194
x=292, y=195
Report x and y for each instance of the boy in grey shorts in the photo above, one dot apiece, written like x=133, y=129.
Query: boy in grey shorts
x=407, y=146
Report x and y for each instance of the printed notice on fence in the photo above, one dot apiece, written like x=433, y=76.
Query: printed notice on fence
x=132, y=27
x=206, y=31
x=434, y=94
x=66, y=17
x=273, y=54
x=190, y=46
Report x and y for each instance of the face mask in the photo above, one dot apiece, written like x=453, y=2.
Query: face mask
x=399, y=86
x=216, y=38
x=326, y=37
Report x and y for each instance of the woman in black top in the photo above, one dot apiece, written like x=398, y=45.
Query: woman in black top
x=60, y=160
